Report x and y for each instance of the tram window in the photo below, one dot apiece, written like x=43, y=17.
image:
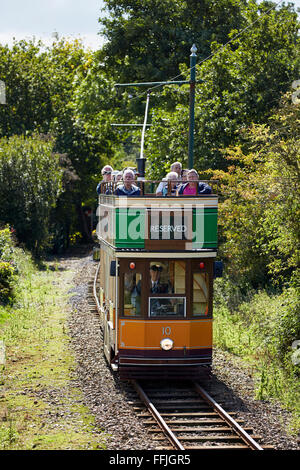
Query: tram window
x=132, y=294
x=167, y=307
x=200, y=294
x=167, y=277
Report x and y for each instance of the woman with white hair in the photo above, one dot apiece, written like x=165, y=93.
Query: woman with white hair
x=193, y=186
x=128, y=188
x=177, y=167
x=162, y=190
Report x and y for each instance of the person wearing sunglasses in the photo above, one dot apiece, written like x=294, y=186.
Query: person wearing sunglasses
x=106, y=173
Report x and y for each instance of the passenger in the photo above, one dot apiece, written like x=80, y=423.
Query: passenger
x=193, y=186
x=173, y=177
x=118, y=176
x=128, y=188
x=177, y=167
x=174, y=167
x=107, y=177
x=135, y=295
x=184, y=174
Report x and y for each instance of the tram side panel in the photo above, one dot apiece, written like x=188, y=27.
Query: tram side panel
x=108, y=302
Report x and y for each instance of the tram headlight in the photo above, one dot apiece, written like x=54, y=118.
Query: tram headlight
x=166, y=344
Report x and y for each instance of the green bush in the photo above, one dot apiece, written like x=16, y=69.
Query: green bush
x=9, y=266
x=6, y=246
x=264, y=331
x=7, y=282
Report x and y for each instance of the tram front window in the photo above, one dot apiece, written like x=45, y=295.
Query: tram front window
x=167, y=278
x=132, y=294
x=167, y=306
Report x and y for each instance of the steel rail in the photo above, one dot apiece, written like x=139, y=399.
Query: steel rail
x=229, y=420
x=156, y=415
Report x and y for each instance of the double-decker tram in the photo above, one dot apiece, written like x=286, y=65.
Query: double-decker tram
x=155, y=282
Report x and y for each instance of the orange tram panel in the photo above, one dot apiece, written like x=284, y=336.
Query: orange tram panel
x=141, y=355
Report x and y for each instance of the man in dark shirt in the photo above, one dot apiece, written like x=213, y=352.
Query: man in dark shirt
x=128, y=188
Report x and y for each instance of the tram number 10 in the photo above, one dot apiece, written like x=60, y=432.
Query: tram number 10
x=166, y=331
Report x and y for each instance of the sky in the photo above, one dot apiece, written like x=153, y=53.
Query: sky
x=24, y=19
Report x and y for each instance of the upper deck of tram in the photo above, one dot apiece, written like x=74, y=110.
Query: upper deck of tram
x=148, y=222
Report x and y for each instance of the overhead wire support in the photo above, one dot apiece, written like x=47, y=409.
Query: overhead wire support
x=128, y=125
x=177, y=82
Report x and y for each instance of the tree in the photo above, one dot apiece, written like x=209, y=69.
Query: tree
x=259, y=213
x=40, y=85
x=148, y=39
x=30, y=182
x=239, y=84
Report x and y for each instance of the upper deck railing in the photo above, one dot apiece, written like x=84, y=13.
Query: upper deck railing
x=148, y=188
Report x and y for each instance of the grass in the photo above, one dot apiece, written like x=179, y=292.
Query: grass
x=256, y=332
x=40, y=408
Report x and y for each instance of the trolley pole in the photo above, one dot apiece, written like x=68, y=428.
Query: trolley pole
x=2, y=93
x=192, y=105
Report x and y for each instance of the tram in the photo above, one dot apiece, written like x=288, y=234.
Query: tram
x=155, y=281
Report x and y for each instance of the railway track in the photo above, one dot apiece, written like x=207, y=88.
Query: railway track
x=185, y=417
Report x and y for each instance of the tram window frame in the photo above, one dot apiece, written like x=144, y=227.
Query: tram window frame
x=208, y=271
x=124, y=268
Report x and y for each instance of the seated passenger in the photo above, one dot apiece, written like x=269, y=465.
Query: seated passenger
x=177, y=167
x=128, y=188
x=118, y=176
x=162, y=189
x=184, y=174
x=106, y=172
x=193, y=186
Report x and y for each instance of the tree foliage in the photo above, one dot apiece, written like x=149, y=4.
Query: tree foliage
x=148, y=39
x=259, y=213
x=30, y=183
x=41, y=83
x=239, y=84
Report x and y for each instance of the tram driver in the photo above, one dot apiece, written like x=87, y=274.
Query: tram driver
x=159, y=305
x=157, y=287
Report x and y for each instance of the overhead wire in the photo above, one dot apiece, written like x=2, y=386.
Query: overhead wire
x=212, y=54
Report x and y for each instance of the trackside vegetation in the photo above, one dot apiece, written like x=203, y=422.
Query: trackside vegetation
x=39, y=362
x=257, y=314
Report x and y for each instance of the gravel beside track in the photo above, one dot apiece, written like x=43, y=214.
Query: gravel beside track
x=106, y=396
